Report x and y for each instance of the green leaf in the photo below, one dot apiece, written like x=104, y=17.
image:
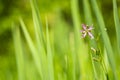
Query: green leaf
x=49, y=55
x=105, y=37
x=32, y=48
x=18, y=52
x=117, y=23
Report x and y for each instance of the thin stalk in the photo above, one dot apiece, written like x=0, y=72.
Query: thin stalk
x=32, y=48
x=88, y=20
x=37, y=21
x=117, y=24
x=105, y=37
x=73, y=56
x=49, y=55
x=78, y=42
x=19, y=52
x=80, y=47
x=39, y=37
x=104, y=67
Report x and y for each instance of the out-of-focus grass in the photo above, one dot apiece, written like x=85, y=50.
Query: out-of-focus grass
x=92, y=43
x=117, y=23
x=19, y=53
x=105, y=37
x=57, y=51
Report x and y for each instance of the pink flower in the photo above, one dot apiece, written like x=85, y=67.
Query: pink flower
x=87, y=31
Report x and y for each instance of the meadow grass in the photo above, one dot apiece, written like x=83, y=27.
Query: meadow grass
x=61, y=53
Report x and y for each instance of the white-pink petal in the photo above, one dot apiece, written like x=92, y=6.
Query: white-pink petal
x=90, y=28
x=90, y=34
x=83, y=35
x=84, y=26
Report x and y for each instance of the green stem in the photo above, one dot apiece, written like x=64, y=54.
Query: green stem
x=105, y=37
x=103, y=66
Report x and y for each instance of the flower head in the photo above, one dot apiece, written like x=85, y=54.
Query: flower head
x=87, y=31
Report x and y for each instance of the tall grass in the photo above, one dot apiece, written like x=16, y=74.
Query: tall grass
x=105, y=37
x=117, y=23
x=92, y=43
x=61, y=54
x=19, y=53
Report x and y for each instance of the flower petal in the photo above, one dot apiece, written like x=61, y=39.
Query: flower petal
x=81, y=31
x=84, y=26
x=90, y=34
x=83, y=35
x=90, y=28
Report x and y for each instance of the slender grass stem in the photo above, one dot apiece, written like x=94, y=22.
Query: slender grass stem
x=37, y=21
x=104, y=67
x=19, y=52
x=117, y=24
x=32, y=48
x=76, y=22
x=105, y=37
x=49, y=55
x=92, y=43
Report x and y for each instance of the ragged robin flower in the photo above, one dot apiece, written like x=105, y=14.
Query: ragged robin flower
x=86, y=30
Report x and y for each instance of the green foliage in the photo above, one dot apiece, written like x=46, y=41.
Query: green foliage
x=50, y=47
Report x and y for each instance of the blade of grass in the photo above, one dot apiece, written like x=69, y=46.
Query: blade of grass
x=105, y=37
x=92, y=43
x=49, y=55
x=73, y=56
x=117, y=23
x=74, y=9
x=31, y=70
x=36, y=26
x=19, y=52
x=88, y=19
x=79, y=45
x=39, y=37
x=32, y=48
x=61, y=32
x=37, y=22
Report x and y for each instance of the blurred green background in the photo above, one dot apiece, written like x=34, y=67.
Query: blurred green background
x=11, y=10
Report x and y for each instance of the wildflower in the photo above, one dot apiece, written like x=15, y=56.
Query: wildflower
x=87, y=31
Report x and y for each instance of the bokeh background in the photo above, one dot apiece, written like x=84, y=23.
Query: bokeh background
x=56, y=10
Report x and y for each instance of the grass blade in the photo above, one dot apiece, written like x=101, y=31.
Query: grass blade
x=39, y=37
x=89, y=21
x=74, y=9
x=80, y=47
x=49, y=55
x=19, y=53
x=117, y=23
x=32, y=48
x=37, y=22
x=105, y=37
